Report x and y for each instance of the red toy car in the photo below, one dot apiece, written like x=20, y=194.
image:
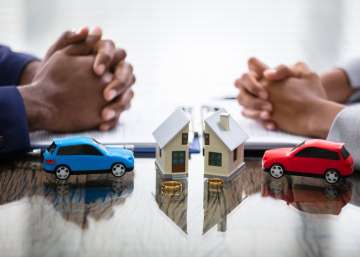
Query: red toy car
x=315, y=158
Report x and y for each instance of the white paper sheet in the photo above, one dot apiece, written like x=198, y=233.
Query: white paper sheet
x=136, y=127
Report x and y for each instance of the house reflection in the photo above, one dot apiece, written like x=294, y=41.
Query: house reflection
x=220, y=200
x=171, y=197
x=77, y=199
x=309, y=195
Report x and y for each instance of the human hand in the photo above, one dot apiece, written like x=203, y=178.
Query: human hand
x=109, y=63
x=66, y=96
x=300, y=103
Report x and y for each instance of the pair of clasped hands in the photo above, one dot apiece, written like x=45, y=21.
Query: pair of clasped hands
x=292, y=98
x=84, y=82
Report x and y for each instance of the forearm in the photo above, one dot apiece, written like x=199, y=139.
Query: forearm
x=13, y=122
x=337, y=85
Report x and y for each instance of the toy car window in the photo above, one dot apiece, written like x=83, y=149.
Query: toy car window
x=90, y=150
x=79, y=150
x=314, y=152
x=70, y=150
x=345, y=154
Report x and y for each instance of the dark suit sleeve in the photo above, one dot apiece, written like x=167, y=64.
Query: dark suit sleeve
x=14, y=134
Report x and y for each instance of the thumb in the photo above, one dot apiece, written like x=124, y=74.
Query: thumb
x=280, y=73
x=87, y=46
x=66, y=39
x=257, y=67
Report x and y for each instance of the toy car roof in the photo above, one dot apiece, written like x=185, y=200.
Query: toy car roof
x=324, y=144
x=73, y=141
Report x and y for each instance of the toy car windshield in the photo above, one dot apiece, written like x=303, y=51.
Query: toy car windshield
x=297, y=146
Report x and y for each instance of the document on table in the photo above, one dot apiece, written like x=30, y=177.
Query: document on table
x=136, y=127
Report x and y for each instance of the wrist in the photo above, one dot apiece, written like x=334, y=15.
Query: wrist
x=337, y=85
x=322, y=116
x=29, y=72
x=35, y=107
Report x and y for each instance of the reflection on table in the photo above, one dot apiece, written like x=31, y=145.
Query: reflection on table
x=311, y=195
x=76, y=199
x=172, y=202
x=220, y=201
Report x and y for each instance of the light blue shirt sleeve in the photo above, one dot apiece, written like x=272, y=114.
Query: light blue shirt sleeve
x=352, y=69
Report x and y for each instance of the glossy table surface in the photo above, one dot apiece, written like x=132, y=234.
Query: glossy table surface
x=250, y=215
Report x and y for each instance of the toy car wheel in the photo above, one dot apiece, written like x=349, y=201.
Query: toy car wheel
x=118, y=169
x=332, y=176
x=62, y=172
x=276, y=171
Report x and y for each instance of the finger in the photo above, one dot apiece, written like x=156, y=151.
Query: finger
x=105, y=54
x=106, y=126
x=87, y=47
x=120, y=55
x=252, y=86
x=68, y=38
x=124, y=78
x=269, y=125
x=280, y=73
x=251, y=102
x=257, y=115
x=257, y=67
x=119, y=105
x=302, y=69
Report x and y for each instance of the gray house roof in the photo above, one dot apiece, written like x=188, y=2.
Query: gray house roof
x=233, y=137
x=171, y=127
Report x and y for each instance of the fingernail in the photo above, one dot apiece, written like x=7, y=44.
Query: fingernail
x=263, y=95
x=109, y=114
x=111, y=95
x=270, y=126
x=265, y=115
x=96, y=32
x=104, y=127
x=100, y=69
x=107, y=77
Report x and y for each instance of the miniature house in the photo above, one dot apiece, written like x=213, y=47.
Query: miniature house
x=172, y=151
x=223, y=145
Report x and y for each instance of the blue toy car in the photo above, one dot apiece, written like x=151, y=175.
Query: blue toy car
x=82, y=155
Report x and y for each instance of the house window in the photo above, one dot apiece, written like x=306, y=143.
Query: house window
x=207, y=138
x=184, y=138
x=235, y=155
x=215, y=159
x=160, y=152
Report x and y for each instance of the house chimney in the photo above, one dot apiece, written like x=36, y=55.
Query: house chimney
x=224, y=120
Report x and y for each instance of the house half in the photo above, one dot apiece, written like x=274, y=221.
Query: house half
x=172, y=137
x=224, y=142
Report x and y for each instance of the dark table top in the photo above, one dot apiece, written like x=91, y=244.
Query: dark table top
x=250, y=215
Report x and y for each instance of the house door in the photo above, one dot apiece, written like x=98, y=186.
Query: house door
x=178, y=161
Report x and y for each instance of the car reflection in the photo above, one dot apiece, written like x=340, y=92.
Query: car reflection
x=171, y=197
x=95, y=198
x=220, y=200
x=76, y=200
x=309, y=195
